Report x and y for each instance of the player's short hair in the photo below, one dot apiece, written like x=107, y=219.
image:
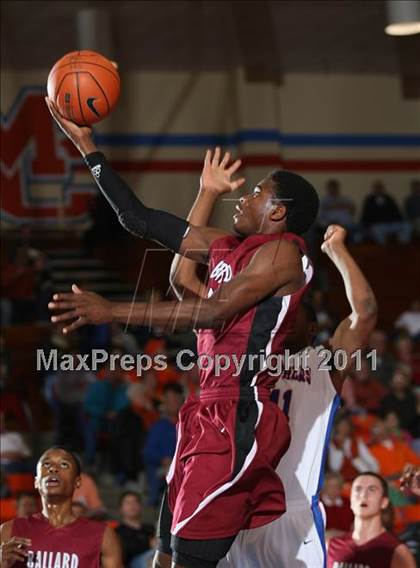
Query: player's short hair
x=382, y=481
x=76, y=459
x=128, y=493
x=299, y=197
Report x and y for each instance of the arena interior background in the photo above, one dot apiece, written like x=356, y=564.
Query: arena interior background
x=311, y=86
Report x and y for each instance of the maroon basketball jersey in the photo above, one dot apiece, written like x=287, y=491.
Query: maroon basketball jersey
x=343, y=552
x=76, y=545
x=251, y=337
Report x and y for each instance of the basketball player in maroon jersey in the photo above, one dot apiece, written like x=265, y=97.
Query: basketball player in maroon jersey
x=369, y=545
x=231, y=438
x=55, y=537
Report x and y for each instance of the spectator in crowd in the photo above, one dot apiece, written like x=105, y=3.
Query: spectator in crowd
x=385, y=362
x=381, y=216
x=103, y=400
x=412, y=206
x=147, y=404
x=337, y=208
x=368, y=391
x=161, y=441
x=14, y=453
x=391, y=454
x=402, y=401
x=88, y=494
x=137, y=539
x=66, y=391
x=164, y=376
x=26, y=504
x=392, y=424
x=337, y=508
x=409, y=321
x=124, y=340
x=349, y=455
x=128, y=435
x=406, y=355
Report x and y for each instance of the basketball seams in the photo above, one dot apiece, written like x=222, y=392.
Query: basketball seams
x=57, y=91
x=87, y=63
x=99, y=85
x=78, y=96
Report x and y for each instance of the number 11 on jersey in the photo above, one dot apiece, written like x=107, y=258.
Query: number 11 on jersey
x=287, y=398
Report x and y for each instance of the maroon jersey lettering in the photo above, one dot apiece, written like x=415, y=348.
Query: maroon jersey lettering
x=76, y=545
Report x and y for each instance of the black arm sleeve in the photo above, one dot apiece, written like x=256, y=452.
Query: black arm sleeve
x=165, y=228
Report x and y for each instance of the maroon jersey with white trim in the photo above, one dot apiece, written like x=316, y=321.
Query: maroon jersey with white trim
x=343, y=552
x=245, y=342
x=76, y=545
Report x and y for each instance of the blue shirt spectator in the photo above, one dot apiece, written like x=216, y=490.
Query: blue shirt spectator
x=161, y=441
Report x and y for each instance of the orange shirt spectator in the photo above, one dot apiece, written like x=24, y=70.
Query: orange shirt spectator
x=391, y=454
x=88, y=493
x=363, y=424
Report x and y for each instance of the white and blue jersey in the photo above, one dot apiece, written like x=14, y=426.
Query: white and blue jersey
x=296, y=540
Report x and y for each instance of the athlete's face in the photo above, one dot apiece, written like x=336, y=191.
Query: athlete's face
x=56, y=474
x=256, y=209
x=367, y=497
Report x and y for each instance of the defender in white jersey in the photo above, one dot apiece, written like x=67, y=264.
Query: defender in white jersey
x=310, y=398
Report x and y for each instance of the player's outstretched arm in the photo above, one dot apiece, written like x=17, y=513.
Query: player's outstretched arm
x=111, y=555
x=353, y=332
x=276, y=266
x=215, y=181
x=166, y=229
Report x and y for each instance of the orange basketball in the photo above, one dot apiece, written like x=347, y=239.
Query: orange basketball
x=85, y=86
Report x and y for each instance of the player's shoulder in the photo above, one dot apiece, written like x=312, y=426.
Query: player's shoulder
x=279, y=251
x=390, y=539
x=223, y=243
x=402, y=556
x=92, y=523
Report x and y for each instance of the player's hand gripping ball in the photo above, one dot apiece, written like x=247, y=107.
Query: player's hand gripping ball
x=85, y=86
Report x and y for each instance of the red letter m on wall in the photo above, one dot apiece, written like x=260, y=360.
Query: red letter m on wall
x=36, y=169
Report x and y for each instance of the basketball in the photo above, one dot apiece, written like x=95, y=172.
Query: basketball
x=85, y=86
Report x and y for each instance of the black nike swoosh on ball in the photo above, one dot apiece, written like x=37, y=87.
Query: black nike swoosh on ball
x=90, y=105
